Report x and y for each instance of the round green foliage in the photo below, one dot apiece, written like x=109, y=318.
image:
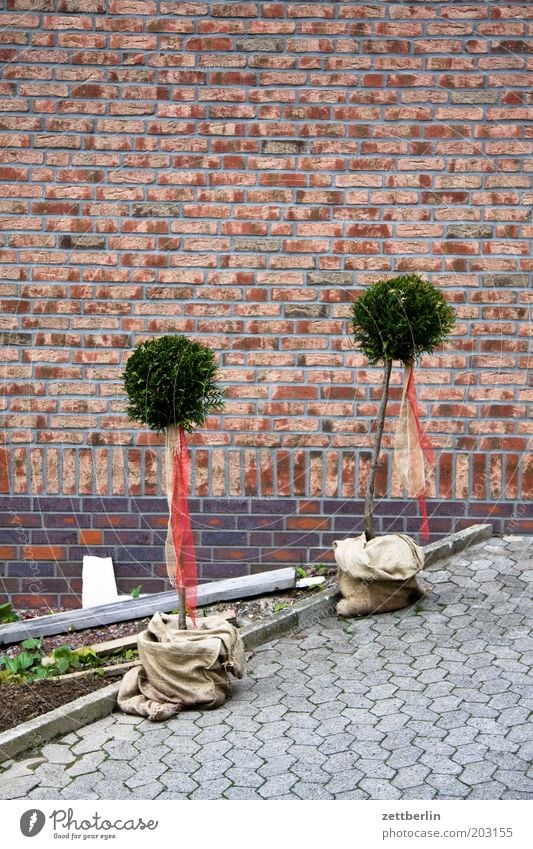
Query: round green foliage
x=171, y=381
x=401, y=318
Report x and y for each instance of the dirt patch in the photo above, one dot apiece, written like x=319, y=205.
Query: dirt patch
x=21, y=702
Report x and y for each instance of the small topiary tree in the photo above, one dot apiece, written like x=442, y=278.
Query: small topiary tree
x=170, y=382
x=397, y=319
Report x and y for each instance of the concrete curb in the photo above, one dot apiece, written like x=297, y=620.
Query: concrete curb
x=63, y=719
x=301, y=614
x=454, y=543
x=95, y=705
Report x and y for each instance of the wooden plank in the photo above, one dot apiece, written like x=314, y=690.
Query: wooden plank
x=105, y=671
x=137, y=608
x=109, y=646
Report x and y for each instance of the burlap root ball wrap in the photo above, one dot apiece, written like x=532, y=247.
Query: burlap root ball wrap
x=182, y=669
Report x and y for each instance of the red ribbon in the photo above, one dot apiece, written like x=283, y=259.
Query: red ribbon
x=425, y=445
x=180, y=522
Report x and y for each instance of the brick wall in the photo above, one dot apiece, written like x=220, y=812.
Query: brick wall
x=238, y=172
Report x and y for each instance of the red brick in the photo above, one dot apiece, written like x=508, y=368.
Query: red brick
x=89, y=537
x=44, y=552
x=34, y=601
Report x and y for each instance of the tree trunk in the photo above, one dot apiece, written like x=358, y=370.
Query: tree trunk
x=182, y=609
x=369, y=501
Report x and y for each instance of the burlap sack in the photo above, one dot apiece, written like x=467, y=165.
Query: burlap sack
x=182, y=669
x=394, y=557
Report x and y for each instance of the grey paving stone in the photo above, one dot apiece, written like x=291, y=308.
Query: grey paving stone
x=514, y=780
x=487, y=790
x=272, y=730
x=380, y=789
x=111, y=789
x=212, y=770
x=51, y=775
x=498, y=742
x=245, y=777
x=210, y=718
x=126, y=733
x=125, y=719
x=211, y=735
x=169, y=794
x=154, y=734
x=388, y=724
x=440, y=764
x=521, y=734
x=244, y=758
x=410, y=776
x=211, y=789
x=178, y=783
x=278, y=766
x=242, y=793
x=212, y=751
x=477, y=772
x=277, y=786
x=68, y=739
x=366, y=732
x=515, y=794
x=84, y=787
x=22, y=768
x=513, y=716
x=51, y=793
x=305, y=754
x=146, y=776
x=448, y=785
x=304, y=736
x=374, y=768
x=151, y=790
x=118, y=750
x=369, y=749
x=273, y=748
x=308, y=791
x=92, y=741
x=421, y=791
x=469, y=753
x=353, y=794
x=18, y=788
x=400, y=737
x=57, y=753
x=336, y=743
x=310, y=773
x=459, y=736
x=404, y=756
x=180, y=763
x=116, y=770
x=345, y=781
x=86, y=764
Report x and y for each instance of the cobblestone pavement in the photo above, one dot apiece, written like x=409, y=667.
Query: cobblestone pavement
x=430, y=702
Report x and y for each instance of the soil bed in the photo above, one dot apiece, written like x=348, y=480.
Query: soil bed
x=21, y=702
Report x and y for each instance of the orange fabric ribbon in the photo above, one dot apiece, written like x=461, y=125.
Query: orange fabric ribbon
x=179, y=547
x=413, y=452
